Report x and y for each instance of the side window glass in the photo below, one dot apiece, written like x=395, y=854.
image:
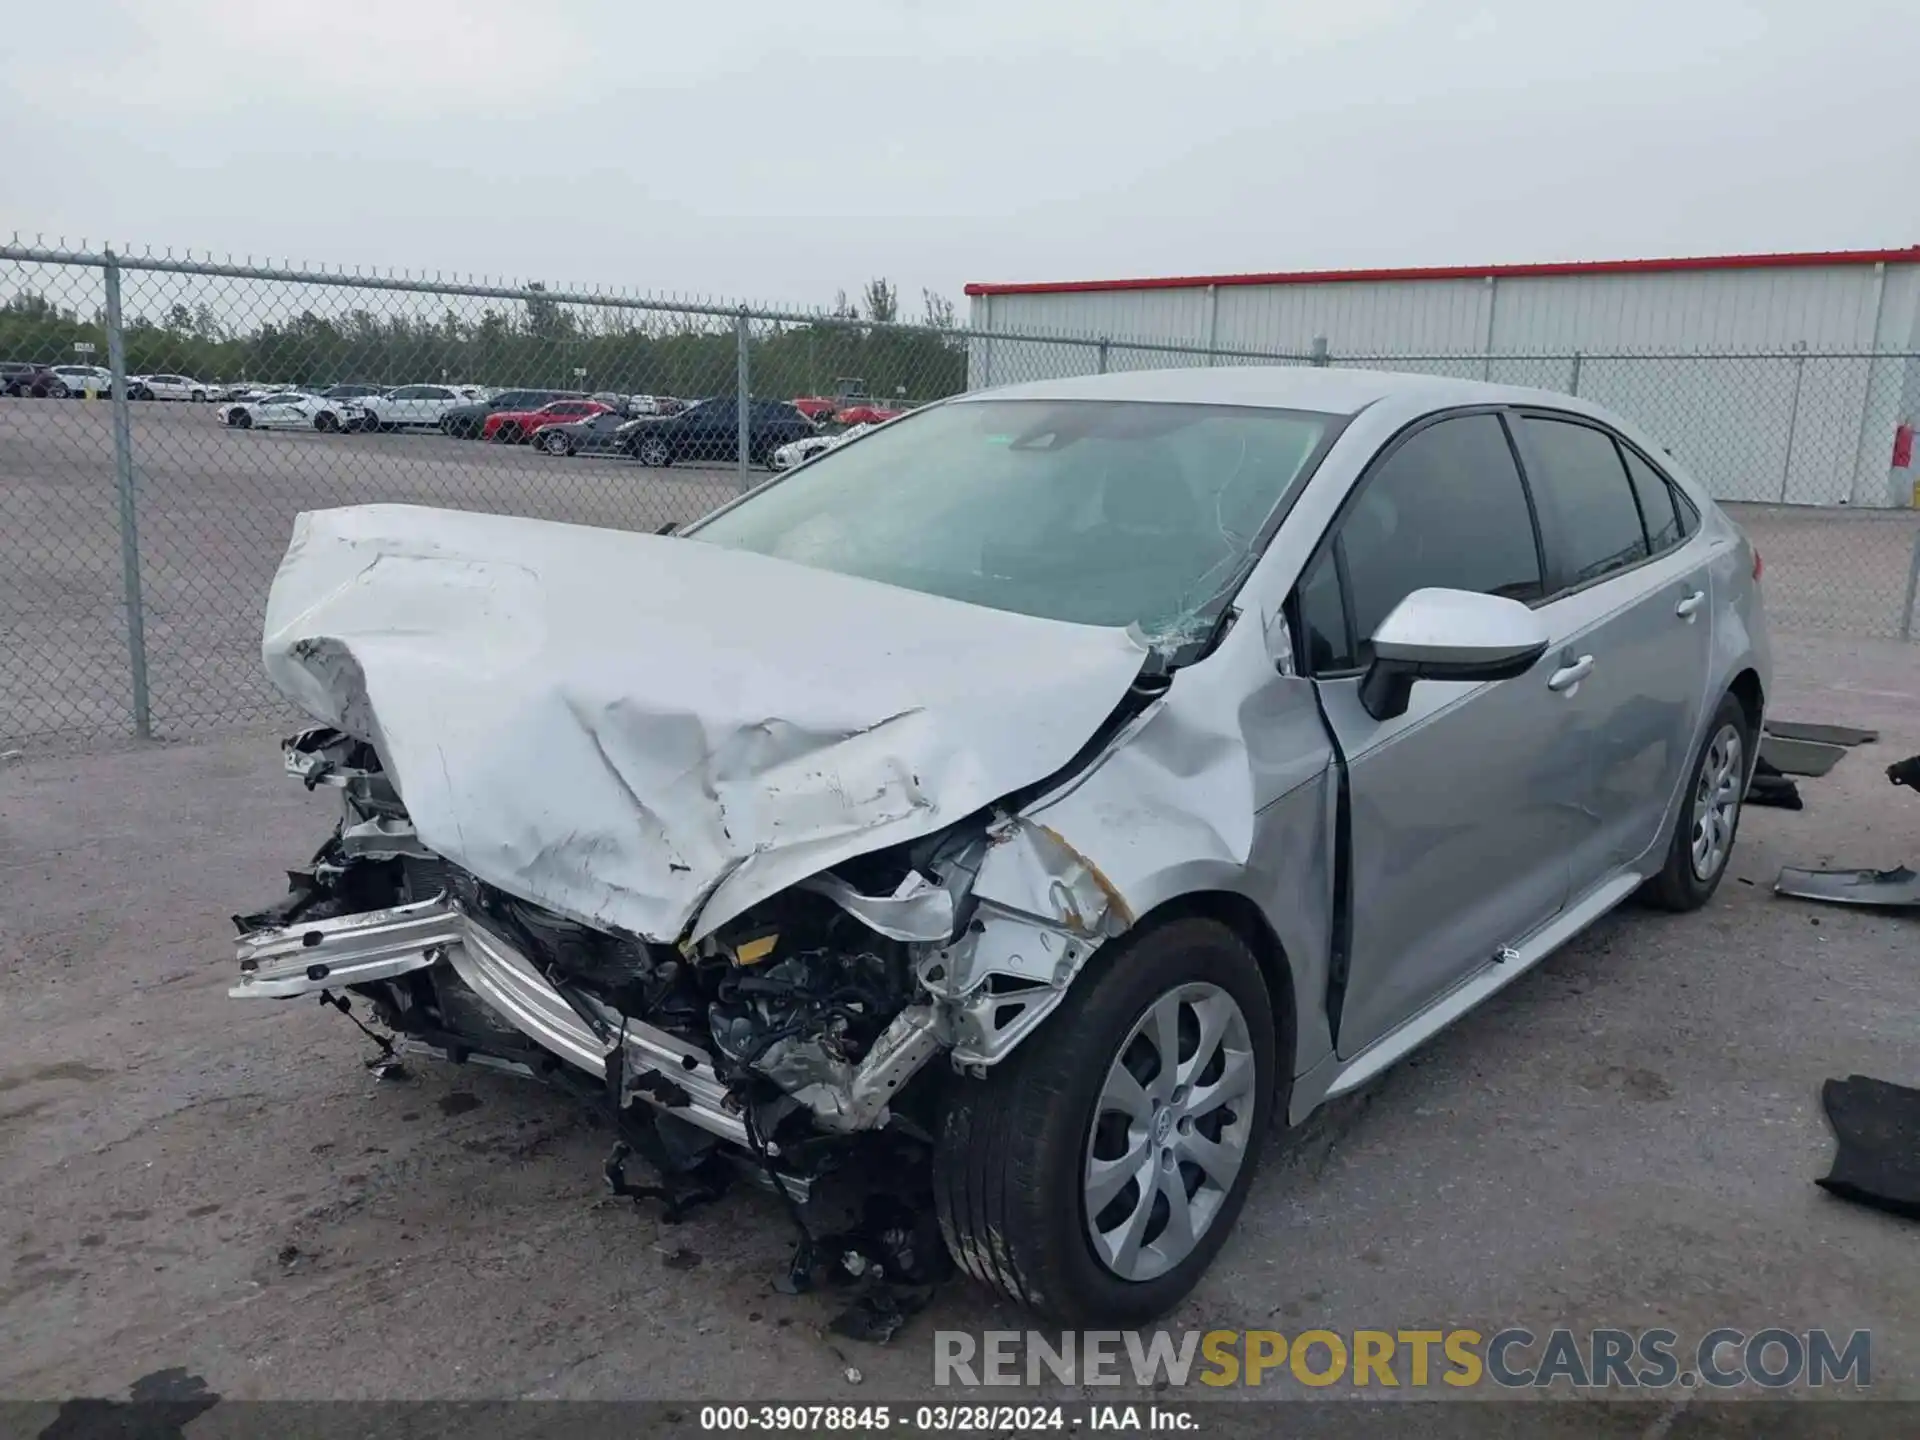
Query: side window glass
x=1447, y=509
x=1576, y=470
x=1323, y=618
x=1689, y=516
x=1658, y=507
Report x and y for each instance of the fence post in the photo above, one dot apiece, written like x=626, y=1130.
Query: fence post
x=1320, y=350
x=123, y=485
x=1103, y=355
x=1573, y=384
x=1793, y=416
x=1913, y=583
x=743, y=410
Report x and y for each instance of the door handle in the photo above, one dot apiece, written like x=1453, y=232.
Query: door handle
x=1690, y=606
x=1568, y=676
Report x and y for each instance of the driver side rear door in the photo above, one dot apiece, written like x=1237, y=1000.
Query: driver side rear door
x=1461, y=811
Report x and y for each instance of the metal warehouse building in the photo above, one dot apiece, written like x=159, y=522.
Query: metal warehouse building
x=1776, y=378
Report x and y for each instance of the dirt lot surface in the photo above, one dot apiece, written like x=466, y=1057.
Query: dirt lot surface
x=1628, y=1136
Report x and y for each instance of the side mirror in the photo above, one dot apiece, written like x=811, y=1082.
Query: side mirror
x=1448, y=635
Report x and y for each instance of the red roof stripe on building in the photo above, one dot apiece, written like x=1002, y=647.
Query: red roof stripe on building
x=1911, y=255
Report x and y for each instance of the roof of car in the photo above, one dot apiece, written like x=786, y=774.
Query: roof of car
x=1285, y=387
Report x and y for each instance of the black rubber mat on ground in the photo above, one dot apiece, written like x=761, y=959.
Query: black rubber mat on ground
x=1770, y=787
x=1823, y=734
x=1898, y=889
x=1878, y=1126
x=1800, y=757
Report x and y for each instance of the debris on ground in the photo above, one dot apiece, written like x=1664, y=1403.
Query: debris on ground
x=1877, y=1125
x=1820, y=733
x=1896, y=889
x=1769, y=787
x=893, y=1261
x=1800, y=757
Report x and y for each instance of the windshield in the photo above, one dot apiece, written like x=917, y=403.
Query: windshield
x=1098, y=512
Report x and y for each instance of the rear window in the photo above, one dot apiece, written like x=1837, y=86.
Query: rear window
x=1576, y=470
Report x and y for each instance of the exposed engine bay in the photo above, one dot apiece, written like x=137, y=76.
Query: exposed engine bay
x=803, y=1021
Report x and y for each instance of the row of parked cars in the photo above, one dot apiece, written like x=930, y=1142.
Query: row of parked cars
x=652, y=429
x=24, y=378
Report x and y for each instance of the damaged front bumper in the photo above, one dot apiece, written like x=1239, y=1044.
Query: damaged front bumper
x=671, y=1075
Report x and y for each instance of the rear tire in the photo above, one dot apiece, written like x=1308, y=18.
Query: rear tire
x=326, y=422
x=1710, y=807
x=1012, y=1176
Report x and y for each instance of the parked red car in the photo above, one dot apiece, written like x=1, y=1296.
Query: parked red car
x=516, y=427
x=865, y=415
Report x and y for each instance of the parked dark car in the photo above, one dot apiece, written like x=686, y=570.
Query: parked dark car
x=21, y=377
x=467, y=421
x=710, y=431
x=595, y=435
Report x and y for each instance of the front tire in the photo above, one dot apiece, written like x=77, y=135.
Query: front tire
x=1709, y=819
x=58, y=391
x=240, y=420
x=1096, y=1172
x=555, y=445
x=653, y=451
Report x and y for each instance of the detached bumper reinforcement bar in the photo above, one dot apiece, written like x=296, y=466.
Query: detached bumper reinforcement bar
x=355, y=949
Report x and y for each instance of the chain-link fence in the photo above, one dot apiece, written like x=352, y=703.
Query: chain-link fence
x=164, y=420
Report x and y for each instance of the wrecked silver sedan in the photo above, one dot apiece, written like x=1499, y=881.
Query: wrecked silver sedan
x=1060, y=784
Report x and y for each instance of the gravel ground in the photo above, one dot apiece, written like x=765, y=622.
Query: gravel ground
x=1628, y=1136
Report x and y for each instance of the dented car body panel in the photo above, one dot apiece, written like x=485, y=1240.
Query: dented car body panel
x=648, y=735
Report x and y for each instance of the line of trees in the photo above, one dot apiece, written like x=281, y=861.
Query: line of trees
x=539, y=342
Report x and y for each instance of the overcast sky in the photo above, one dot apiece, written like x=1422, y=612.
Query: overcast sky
x=780, y=151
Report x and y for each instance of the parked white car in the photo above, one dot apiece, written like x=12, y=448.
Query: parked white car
x=165, y=387
x=81, y=378
x=412, y=405
x=254, y=389
x=293, y=410
x=801, y=451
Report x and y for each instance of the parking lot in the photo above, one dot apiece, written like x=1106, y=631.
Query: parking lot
x=1628, y=1136
x=215, y=509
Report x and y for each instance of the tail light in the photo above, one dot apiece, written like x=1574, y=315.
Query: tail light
x=1758, y=565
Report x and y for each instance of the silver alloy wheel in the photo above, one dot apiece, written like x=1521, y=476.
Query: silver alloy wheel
x=555, y=444
x=1171, y=1129
x=1716, y=801
x=653, y=451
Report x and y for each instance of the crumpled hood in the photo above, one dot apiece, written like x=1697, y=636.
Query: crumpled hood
x=639, y=731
